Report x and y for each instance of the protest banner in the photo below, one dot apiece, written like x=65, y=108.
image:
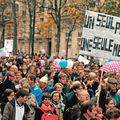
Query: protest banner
x=101, y=36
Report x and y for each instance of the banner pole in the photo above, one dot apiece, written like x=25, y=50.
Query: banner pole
x=99, y=89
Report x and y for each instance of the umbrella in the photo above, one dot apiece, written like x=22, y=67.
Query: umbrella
x=113, y=66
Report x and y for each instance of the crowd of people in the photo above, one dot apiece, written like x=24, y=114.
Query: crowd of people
x=31, y=90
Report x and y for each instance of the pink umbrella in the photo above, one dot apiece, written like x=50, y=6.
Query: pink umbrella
x=113, y=66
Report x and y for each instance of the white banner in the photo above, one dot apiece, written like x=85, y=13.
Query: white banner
x=101, y=36
x=8, y=45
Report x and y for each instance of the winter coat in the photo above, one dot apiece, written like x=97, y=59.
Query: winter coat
x=69, y=100
x=9, y=111
x=73, y=113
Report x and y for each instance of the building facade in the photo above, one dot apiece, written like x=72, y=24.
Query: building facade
x=45, y=31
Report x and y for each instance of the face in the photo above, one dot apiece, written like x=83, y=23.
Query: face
x=63, y=80
x=11, y=76
x=118, y=86
x=78, y=90
x=32, y=69
x=11, y=96
x=26, y=89
x=14, y=69
x=99, y=115
x=113, y=87
x=47, y=101
x=41, y=84
x=83, y=96
x=59, y=88
x=56, y=97
x=1, y=79
x=111, y=104
x=31, y=82
x=93, y=112
x=52, y=67
x=95, y=78
x=24, y=67
x=23, y=99
x=18, y=76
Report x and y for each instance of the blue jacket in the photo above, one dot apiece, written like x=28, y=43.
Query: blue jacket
x=37, y=92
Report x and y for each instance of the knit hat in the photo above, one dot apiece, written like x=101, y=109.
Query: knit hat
x=44, y=79
x=112, y=81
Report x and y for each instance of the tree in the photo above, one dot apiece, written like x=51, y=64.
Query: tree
x=32, y=16
x=2, y=9
x=111, y=7
x=75, y=12
x=60, y=11
x=56, y=11
x=15, y=27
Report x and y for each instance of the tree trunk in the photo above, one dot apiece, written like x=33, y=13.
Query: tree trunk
x=15, y=28
x=3, y=30
x=58, y=38
x=33, y=28
x=67, y=47
x=30, y=26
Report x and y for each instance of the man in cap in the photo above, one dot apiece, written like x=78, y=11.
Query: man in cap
x=112, y=88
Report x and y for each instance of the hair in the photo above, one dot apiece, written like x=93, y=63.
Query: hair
x=9, y=73
x=26, y=85
x=107, y=100
x=22, y=81
x=19, y=72
x=76, y=85
x=88, y=105
x=60, y=75
x=54, y=92
x=46, y=95
x=21, y=93
x=32, y=77
x=5, y=94
x=58, y=84
x=113, y=113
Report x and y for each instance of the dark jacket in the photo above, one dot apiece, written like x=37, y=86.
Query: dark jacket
x=73, y=113
x=69, y=100
x=9, y=111
x=5, y=85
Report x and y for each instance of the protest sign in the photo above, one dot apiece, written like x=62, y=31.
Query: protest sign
x=3, y=53
x=8, y=45
x=101, y=36
x=83, y=59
